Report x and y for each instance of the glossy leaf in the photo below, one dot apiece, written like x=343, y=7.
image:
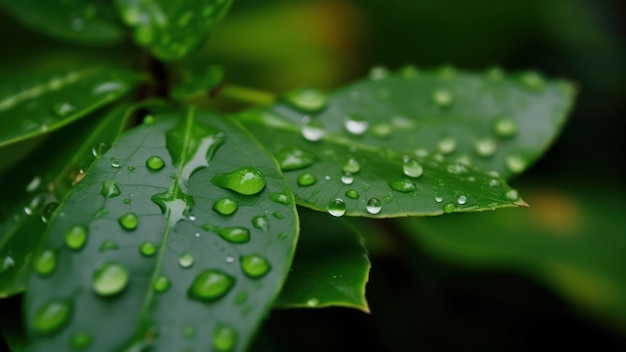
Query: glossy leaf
x=39, y=183
x=32, y=104
x=86, y=21
x=572, y=241
x=330, y=268
x=171, y=29
x=154, y=249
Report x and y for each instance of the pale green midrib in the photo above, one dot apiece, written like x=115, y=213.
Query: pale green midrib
x=144, y=313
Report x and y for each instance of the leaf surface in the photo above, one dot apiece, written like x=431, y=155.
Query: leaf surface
x=84, y=21
x=32, y=104
x=330, y=267
x=41, y=182
x=184, y=246
x=171, y=29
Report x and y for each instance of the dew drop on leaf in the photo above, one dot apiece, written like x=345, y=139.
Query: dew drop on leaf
x=382, y=130
x=161, y=284
x=294, y=158
x=128, y=221
x=155, y=163
x=110, y=279
x=279, y=198
x=485, y=147
x=46, y=262
x=347, y=178
x=63, y=109
x=378, y=73
x=532, y=81
x=512, y=194
x=312, y=133
x=306, y=179
x=442, y=97
x=374, y=206
x=109, y=189
x=235, y=234
x=246, y=181
x=76, y=237
x=447, y=145
x=412, y=168
x=438, y=199
x=351, y=166
x=186, y=260
x=337, y=207
x=80, y=341
x=449, y=207
x=402, y=185
x=356, y=124
x=254, y=265
x=352, y=194
x=225, y=206
x=505, y=127
x=515, y=163
x=108, y=245
x=461, y=200
x=260, y=222
x=52, y=316
x=147, y=249
x=99, y=149
x=115, y=163
x=224, y=338
x=307, y=100
x=210, y=285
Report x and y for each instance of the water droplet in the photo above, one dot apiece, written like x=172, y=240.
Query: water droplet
x=99, y=149
x=356, y=124
x=347, y=178
x=63, y=109
x=351, y=166
x=46, y=262
x=449, y=207
x=512, y=194
x=505, y=127
x=438, y=199
x=52, y=316
x=107, y=246
x=161, y=284
x=294, y=158
x=378, y=73
x=352, y=194
x=235, y=234
x=247, y=181
x=128, y=221
x=443, y=98
x=210, y=285
x=312, y=133
x=532, y=80
x=447, y=145
x=278, y=215
x=337, y=207
x=115, y=163
x=155, y=163
x=402, y=185
x=515, y=163
x=225, y=206
x=33, y=185
x=307, y=100
x=224, y=338
x=186, y=260
x=110, y=189
x=48, y=210
x=191, y=218
x=279, y=198
x=382, y=130
x=76, y=237
x=462, y=200
x=254, y=265
x=110, y=279
x=374, y=206
x=80, y=341
x=412, y=168
x=149, y=120
x=485, y=147
x=260, y=222
x=126, y=201
x=306, y=179
x=147, y=249
x=230, y=259
x=312, y=302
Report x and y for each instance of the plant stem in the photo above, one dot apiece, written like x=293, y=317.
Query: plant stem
x=246, y=94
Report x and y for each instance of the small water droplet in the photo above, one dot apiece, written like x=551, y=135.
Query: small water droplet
x=356, y=124
x=485, y=147
x=224, y=338
x=230, y=259
x=191, y=217
x=279, y=198
x=246, y=181
x=254, y=265
x=155, y=163
x=347, y=178
x=294, y=158
x=48, y=210
x=412, y=168
x=99, y=149
x=80, y=340
x=505, y=127
x=312, y=133
x=402, y=185
x=278, y=215
x=115, y=163
x=110, y=189
x=443, y=98
x=235, y=234
x=63, y=109
x=307, y=100
x=149, y=120
x=306, y=179
x=337, y=207
x=532, y=80
x=52, y=316
x=147, y=249
x=107, y=246
x=312, y=302
x=76, y=237
x=126, y=201
x=352, y=194
x=382, y=130
x=186, y=260
x=260, y=222
x=225, y=206
x=161, y=284
x=378, y=73
x=462, y=200
x=128, y=221
x=438, y=199
x=515, y=163
x=447, y=145
x=210, y=285
x=512, y=194
x=449, y=207
x=351, y=166
x=110, y=279
x=374, y=206
x=46, y=262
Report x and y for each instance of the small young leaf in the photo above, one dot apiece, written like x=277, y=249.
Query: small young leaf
x=85, y=21
x=184, y=245
x=35, y=104
x=330, y=267
x=171, y=29
x=40, y=182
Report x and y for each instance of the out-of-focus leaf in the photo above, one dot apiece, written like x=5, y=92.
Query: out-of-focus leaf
x=171, y=29
x=40, y=182
x=32, y=104
x=184, y=245
x=85, y=21
x=196, y=84
x=330, y=268
x=573, y=242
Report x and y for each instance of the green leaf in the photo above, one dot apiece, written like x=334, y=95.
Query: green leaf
x=32, y=104
x=197, y=83
x=330, y=268
x=85, y=21
x=172, y=29
x=204, y=274
x=413, y=143
x=573, y=242
x=40, y=182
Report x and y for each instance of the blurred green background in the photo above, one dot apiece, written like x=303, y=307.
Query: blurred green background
x=548, y=278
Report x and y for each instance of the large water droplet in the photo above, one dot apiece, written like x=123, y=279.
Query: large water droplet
x=147, y=249
x=235, y=234
x=307, y=100
x=161, y=284
x=210, y=285
x=225, y=206
x=485, y=147
x=306, y=179
x=80, y=341
x=312, y=133
x=155, y=163
x=374, y=206
x=224, y=338
x=260, y=222
x=110, y=279
x=351, y=166
x=412, y=168
x=337, y=207
x=402, y=185
x=128, y=221
x=515, y=163
x=447, y=145
x=46, y=262
x=254, y=265
x=186, y=260
x=443, y=98
x=76, y=237
x=356, y=124
x=110, y=189
x=245, y=181
x=52, y=316
x=294, y=158
x=505, y=127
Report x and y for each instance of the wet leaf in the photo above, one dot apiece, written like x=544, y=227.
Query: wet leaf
x=185, y=245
